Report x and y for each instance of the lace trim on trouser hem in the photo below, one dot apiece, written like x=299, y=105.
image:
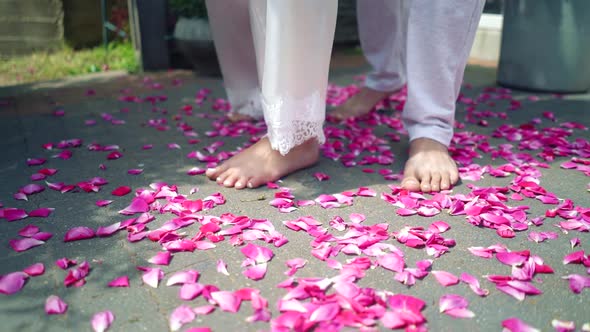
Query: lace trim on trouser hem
x=284, y=139
x=292, y=121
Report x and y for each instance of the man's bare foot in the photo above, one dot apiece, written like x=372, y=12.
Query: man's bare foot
x=429, y=168
x=360, y=104
x=260, y=164
x=237, y=117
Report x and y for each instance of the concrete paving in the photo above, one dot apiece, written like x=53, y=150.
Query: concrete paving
x=27, y=122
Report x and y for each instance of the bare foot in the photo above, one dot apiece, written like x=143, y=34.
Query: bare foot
x=237, y=117
x=360, y=104
x=260, y=164
x=429, y=168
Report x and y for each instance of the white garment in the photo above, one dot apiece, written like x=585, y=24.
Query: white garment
x=290, y=43
x=426, y=44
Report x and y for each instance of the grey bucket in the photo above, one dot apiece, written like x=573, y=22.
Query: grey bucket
x=546, y=45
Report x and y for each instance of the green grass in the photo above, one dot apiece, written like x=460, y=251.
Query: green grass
x=42, y=66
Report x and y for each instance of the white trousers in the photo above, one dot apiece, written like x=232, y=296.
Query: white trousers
x=281, y=71
x=274, y=57
x=425, y=44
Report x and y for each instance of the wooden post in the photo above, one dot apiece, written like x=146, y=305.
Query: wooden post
x=148, y=32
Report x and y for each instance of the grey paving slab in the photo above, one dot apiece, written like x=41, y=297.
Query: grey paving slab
x=143, y=308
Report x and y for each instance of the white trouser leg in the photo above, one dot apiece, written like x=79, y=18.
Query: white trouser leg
x=382, y=32
x=297, y=49
x=230, y=26
x=439, y=39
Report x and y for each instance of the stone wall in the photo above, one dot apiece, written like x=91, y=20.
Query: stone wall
x=28, y=25
x=32, y=25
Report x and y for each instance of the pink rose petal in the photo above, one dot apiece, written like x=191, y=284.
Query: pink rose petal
x=161, y=258
x=103, y=203
x=576, y=257
x=101, y=321
x=36, y=161
x=222, y=267
x=135, y=171
x=516, y=325
x=563, y=326
x=121, y=191
x=180, y=316
x=34, y=270
x=32, y=188
x=41, y=213
x=455, y=306
x=445, y=278
x=12, y=214
x=13, y=282
x=325, y=312
x=227, y=301
x=152, y=276
x=257, y=253
x=391, y=261
x=183, y=277
x=190, y=291
x=256, y=272
x=28, y=231
x=122, y=281
x=79, y=233
x=577, y=282
x=108, y=230
x=24, y=244
x=64, y=263
x=138, y=205
x=55, y=306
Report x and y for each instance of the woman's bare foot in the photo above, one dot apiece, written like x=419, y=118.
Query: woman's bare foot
x=260, y=164
x=237, y=117
x=429, y=168
x=360, y=104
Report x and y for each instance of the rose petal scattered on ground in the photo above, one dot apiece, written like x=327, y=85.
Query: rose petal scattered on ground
x=226, y=301
x=12, y=214
x=101, y=321
x=138, y=205
x=34, y=270
x=455, y=306
x=55, y=306
x=122, y=281
x=79, y=233
x=445, y=278
x=180, y=316
x=121, y=191
x=151, y=276
x=161, y=258
x=103, y=202
x=563, y=326
x=222, y=267
x=516, y=325
x=12, y=282
x=24, y=244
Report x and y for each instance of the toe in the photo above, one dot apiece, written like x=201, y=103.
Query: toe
x=445, y=182
x=410, y=182
x=214, y=173
x=223, y=176
x=435, y=182
x=230, y=180
x=241, y=182
x=425, y=184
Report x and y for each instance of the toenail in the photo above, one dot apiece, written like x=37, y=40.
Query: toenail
x=238, y=184
x=250, y=185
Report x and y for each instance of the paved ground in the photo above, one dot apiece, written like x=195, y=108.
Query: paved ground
x=28, y=121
